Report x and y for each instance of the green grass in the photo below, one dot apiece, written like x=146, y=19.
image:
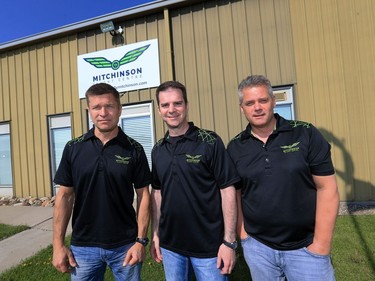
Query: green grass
x=9, y=230
x=353, y=254
x=353, y=257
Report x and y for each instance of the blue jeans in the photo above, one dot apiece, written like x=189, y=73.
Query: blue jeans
x=179, y=267
x=268, y=264
x=92, y=263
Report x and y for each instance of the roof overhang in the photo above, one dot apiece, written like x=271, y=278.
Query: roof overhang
x=86, y=24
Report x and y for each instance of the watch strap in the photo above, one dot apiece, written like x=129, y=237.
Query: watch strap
x=232, y=245
x=143, y=241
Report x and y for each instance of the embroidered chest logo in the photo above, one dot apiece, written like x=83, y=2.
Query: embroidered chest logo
x=122, y=160
x=290, y=148
x=76, y=140
x=193, y=159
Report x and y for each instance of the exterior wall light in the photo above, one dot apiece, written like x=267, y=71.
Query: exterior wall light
x=117, y=37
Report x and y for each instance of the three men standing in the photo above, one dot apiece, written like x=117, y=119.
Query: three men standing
x=286, y=205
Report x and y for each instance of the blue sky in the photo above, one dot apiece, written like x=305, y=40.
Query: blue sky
x=22, y=18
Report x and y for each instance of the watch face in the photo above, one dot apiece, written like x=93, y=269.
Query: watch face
x=143, y=241
x=232, y=245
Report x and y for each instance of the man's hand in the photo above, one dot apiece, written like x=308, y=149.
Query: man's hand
x=155, y=250
x=226, y=259
x=319, y=249
x=63, y=259
x=135, y=254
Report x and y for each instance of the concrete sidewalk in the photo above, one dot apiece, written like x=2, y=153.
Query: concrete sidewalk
x=23, y=245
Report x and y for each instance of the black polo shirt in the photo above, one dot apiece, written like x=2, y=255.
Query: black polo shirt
x=190, y=173
x=103, y=178
x=278, y=192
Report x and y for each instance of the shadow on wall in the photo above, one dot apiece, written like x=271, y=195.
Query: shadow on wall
x=347, y=175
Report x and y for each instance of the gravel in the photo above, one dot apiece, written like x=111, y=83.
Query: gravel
x=357, y=208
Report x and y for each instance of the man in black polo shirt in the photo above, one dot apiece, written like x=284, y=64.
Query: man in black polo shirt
x=97, y=176
x=193, y=197
x=288, y=190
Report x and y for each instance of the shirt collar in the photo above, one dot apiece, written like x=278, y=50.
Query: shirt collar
x=121, y=136
x=190, y=134
x=281, y=125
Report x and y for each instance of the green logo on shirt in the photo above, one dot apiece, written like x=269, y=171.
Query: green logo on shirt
x=296, y=123
x=122, y=160
x=290, y=148
x=193, y=159
x=75, y=140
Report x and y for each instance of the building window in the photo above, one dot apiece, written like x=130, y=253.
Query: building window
x=60, y=133
x=136, y=121
x=5, y=160
x=284, y=102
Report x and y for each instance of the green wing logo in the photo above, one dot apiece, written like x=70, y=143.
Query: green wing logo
x=290, y=148
x=193, y=159
x=101, y=62
x=122, y=160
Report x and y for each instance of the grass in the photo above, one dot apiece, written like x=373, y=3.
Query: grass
x=353, y=257
x=9, y=230
x=353, y=254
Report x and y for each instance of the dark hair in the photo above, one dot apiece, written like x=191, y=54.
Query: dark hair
x=101, y=89
x=174, y=85
x=254, y=81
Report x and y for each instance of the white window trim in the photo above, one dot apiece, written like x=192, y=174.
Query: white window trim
x=58, y=121
x=7, y=190
x=284, y=96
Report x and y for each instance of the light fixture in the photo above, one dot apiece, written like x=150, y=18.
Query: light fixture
x=116, y=32
x=117, y=37
x=110, y=27
x=107, y=26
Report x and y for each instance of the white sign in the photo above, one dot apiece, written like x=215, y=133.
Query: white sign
x=127, y=68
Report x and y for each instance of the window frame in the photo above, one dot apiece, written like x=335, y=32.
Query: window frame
x=7, y=189
x=284, y=97
x=56, y=121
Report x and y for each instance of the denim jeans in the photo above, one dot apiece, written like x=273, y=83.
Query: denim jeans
x=268, y=264
x=92, y=263
x=179, y=268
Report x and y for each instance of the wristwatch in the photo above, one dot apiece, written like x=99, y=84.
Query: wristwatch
x=143, y=241
x=232, y=245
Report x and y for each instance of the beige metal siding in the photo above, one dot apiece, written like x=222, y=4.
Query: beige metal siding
x=215, y=45
x=335, y=61
x=41, y=80
x=4, y=88
x=218, y=43
x=36, y=82
x=323, y=47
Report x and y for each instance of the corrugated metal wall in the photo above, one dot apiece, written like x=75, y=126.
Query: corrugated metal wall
x=334, y=43
x=218, y=43
x=324, y=47
x=36, y=81
x=41, y=80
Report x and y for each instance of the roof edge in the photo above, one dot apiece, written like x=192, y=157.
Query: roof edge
x=90, y=22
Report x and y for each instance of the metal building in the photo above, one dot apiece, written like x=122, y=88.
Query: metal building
x=318, y=54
